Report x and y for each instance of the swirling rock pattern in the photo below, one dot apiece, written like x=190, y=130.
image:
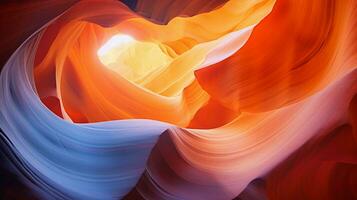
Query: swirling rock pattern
x=221, y=99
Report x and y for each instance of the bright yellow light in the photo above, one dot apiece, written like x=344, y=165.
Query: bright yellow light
x=133, y=59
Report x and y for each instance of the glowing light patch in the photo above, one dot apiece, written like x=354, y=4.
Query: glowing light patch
x=131, y=58
x=116, y=40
